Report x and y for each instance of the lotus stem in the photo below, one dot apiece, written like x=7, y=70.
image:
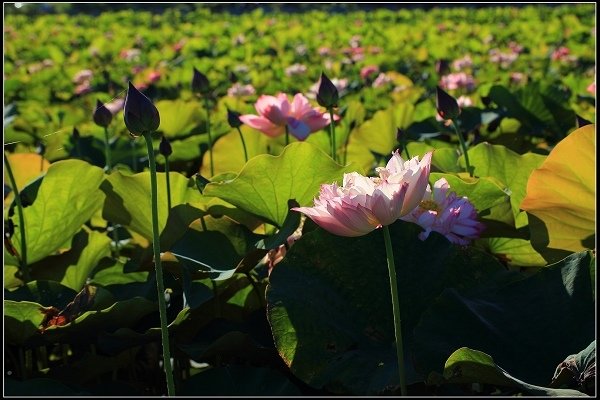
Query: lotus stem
x=396, y=308
x=243, y=144
x=463, y=146
x=23, y=255
x=332, y=131
x=162, y=307
x=210, y=154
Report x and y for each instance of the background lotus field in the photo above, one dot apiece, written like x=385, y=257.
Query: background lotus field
x=512, y=313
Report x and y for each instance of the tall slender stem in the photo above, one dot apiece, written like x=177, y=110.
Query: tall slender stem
x=23, y=254
x=463, y=146
x=162, y=307
x=168, y=183
x=243, y=144
x=395, y=307
x=210, y=154
x=107, y=150
x=287, y=135
x=332, y=131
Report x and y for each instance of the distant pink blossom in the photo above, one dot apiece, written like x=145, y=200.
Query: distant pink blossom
x=301, y=49
x=153, y=76
x=115, y=106
x=503, y=59
x=592, y=88
x=355, y=41
x=324, y=51
x=83, y=88
x=239, y=90
x=560, y=54
x=295, y=69
x=367, y=71
x=179, y=45
x=464, y=101
x=375, y=50
x=444, y=212
x=515, y=47
x=363, y=204
x=462, y=63
x=456, y=81
x=517, y=77
x=276, y=112
x=381, y=80
x=130, y=54
x=83, y=76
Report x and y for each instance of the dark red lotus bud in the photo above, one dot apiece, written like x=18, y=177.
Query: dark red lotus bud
x=200, y=84
x=164, y=147
x=140, y=115
x=327, y=96
x=102, y=116
x=446, y=105
x=233, y=117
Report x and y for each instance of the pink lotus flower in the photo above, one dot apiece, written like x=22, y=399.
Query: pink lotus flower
x=457, y=80
x=592, y=88
x=324, y=51
x=381, y=80
x=369, y=70
x=115, y=106
x=153, y=76
x=275, y=113
x=83, y=76
x=462, y=63
x=452, y=216
x=295, y=69
x=363, y=204
x=517, y=77
x=239, y=90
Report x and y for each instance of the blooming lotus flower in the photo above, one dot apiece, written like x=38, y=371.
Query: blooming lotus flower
x=83, y=76
x=381, y=80
x=452, y=216
x=462, y=63
x=363, y=204
x=276, y=112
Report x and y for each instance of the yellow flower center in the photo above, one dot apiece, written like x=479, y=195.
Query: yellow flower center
x=429, y=205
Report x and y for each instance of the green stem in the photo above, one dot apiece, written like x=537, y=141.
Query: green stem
x=115, y=236
x=395, y=307
x=168, y=183
x=287, y=135
x=261, y=297
x=243, y=144
x=212, y=168
x=23, y=254
x=77, y=149
x=162, y=307
x=332, y=131
x=107, y=150
x=463, y=146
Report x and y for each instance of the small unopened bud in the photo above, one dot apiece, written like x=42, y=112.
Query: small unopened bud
x=75, y=135
x=140, y=115
x=201, y=182
x=442, y=66
x=164, y=147
x=233, y=117
x=200, y=83
x=327, y=96
x=102, y=116
x=400, y=135
x=446, y=105
x=581, y=121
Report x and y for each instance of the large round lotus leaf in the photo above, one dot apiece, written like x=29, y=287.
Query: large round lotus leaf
x=527, y=326
x=266, y=182
x=68, y=196
x=329, y=303
x=561, y=195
